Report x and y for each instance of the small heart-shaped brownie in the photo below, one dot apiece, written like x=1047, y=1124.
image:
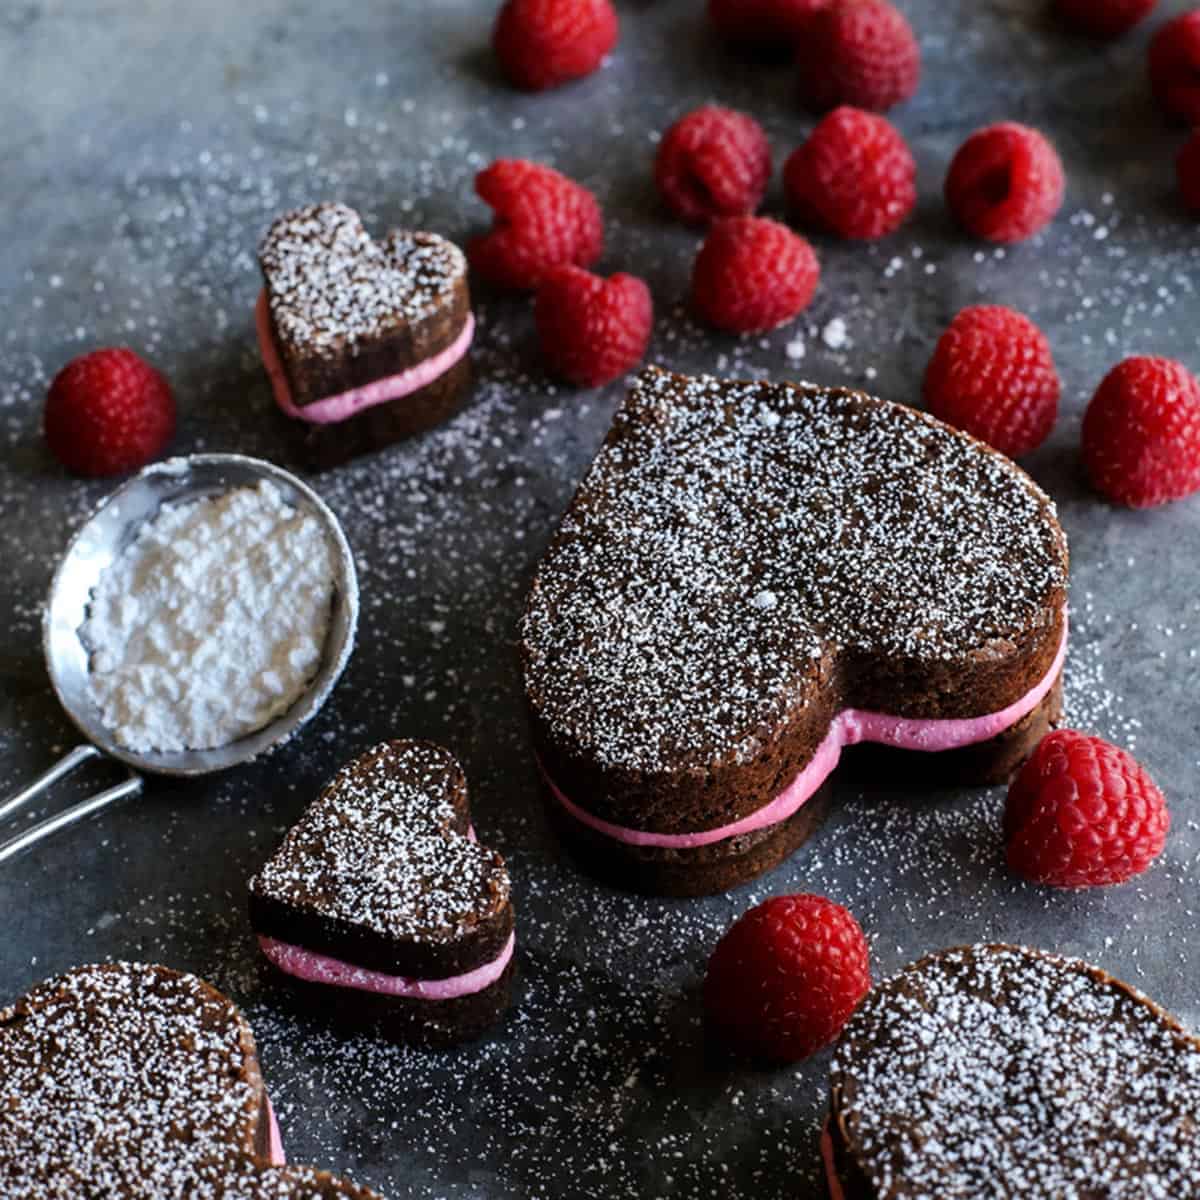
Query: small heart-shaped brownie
x=753, y=576
x=1004, y=1072
x=128, y=1080
x=365, y=342
x=382, y=907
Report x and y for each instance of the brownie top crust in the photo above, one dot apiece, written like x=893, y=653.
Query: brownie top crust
x=736, y=548
x=124, y=1080
x=1001, y=1071
x=385, y=848
x=331, y=286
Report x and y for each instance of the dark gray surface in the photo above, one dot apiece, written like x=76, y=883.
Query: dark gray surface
x=145, y=148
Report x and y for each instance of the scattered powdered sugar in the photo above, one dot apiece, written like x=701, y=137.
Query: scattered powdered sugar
x=1002, y=1071
x=378, y=850
x=211, y=623
x=729, y=535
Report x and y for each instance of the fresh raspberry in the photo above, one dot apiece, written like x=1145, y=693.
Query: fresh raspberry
x=766, y=28
x=1187, y=170
x=1104, y=18
x=1175, y=67
x=855, y=176
x=993, y=375
x=1141, y=433
x=544, y=43
x=753, y=274
x=715, y=162
x=108, y=412
x=859, y=52
x=1083, y=813
x=593, y=330
x=785, y=978
x=543, y=220
x=1006, y=182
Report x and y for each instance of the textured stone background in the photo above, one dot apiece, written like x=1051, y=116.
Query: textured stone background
x=145, y=146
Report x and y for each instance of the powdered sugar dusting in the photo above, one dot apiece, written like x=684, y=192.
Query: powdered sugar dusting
x=728, y=535
x=1000, y=1071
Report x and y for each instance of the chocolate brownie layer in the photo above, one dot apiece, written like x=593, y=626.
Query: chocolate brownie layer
x=1005, y=1072
x=431, y=1023
x=252, y=1181
x=346, y=311
x=379, y=872
x=742, y=561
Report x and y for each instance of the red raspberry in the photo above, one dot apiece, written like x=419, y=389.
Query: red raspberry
x=770, y=28
x=859, y=52
x=785, y=978
x=753, y=274
x=1104, y=18
x=715, y=162
x=108, y=412
x=544, y=43
x=1175, y=67
x=1006, y=182
x=993, y=375
x=1187, y=170
x=1083, y=813
x=543, y=220
x=1141, y=433
x=854, y=176
x=593, y=330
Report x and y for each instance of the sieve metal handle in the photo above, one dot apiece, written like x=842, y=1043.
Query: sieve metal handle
x=65, y=765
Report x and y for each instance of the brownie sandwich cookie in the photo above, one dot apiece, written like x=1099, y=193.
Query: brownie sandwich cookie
x=365, y=342
x=753, y=576
x=127, y=1080
x=380, y=906
x=1008, y=1073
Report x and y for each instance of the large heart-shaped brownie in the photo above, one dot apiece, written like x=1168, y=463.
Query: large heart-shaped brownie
x=753, y=575
x=381, y=901
x=999, y=1071
x=365, y=341
x=128, y=1080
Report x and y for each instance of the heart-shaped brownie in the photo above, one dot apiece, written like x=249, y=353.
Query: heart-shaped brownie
x=752, y=576
x=1003, y=1072
x=128, y=1080
x=380, y=905
x=365, y=342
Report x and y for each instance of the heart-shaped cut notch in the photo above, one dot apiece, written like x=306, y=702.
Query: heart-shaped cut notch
x=129, y=1080
x=382, y=908
x=364, y=341
x=1003, y=1071
x=752, y=576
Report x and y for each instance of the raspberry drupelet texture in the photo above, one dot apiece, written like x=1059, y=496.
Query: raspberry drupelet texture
x=786, y=977
x=752, y=275
x=1005, y=183
x=1175, y=67
x=855, y=176
x=592, y=330
x=1083, y=813
x=992, y=374
x=859, y=52
x=108, y=412
x=765, y=28
x=543, y=220
x=544, y=43
x=1104, y=18
x=1141, y=433
x=714, y=162
x=1187, y=171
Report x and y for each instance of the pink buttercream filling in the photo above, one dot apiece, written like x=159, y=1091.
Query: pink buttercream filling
x=319, y=968
x=835, y=1184
x=275, y=1153
x=849, y=727
x=347, y=404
